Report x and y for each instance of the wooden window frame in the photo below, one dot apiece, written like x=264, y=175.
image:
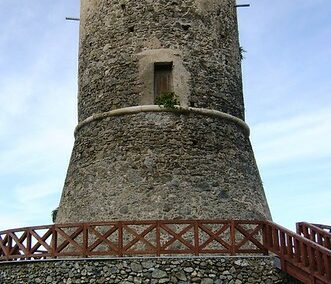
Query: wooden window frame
x=163, y=69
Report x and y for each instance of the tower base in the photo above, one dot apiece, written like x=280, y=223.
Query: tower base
x=207, y=270
x=162, y=164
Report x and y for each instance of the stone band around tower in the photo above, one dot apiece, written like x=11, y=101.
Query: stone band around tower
x=156, y=108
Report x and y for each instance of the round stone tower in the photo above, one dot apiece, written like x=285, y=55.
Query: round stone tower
x=134, y=159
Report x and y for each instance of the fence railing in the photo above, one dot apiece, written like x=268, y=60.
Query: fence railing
x=327, y=228
x=316, y=233
x=300, y=257
x=192, y=237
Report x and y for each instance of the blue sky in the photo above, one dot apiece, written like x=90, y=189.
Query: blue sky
x=287, y=95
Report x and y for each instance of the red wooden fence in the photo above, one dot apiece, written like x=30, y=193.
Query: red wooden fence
x=127, y=238
x=300, y=256
x=315, y=233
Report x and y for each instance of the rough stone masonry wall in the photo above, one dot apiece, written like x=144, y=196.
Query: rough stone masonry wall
x=162, y=166
x=115, y=32
x=153, y=271
x=156, y=165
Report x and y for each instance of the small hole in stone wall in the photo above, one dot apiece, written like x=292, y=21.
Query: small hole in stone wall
x=131, y=29
x=222, y=36
x=123, y=7
x=192, y=104
x=186, y=27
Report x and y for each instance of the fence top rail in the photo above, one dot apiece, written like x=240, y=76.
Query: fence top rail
x=300, y=238
x=323, y=227
x=23, y=229
x=133, y=222
x=317, y=228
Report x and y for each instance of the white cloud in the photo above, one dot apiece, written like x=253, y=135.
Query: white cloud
x=30, y=195
x=35, y=152
x=302, y=137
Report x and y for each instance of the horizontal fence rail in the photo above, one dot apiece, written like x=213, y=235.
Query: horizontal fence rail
x=300, y=256
x=327, y=228
x=317, y=233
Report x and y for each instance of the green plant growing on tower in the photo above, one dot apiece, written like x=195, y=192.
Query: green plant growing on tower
x=241, y=52
x=54, y=214
x=167, y=100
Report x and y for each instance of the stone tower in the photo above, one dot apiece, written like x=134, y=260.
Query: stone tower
x=133, y=159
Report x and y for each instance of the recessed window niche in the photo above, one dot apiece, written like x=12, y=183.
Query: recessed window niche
x=162, y=71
